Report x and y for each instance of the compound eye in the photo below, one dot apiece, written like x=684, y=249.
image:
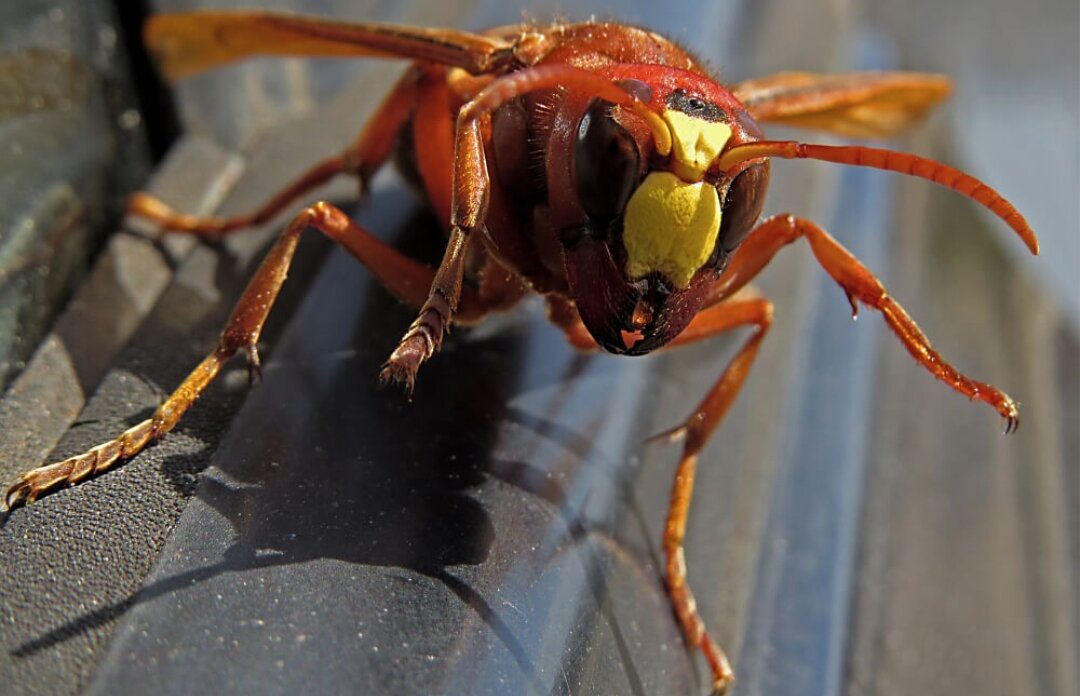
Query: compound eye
x=742, y=207
x=606, y=162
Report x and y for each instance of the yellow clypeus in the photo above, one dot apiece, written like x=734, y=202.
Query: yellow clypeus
x=670, y=226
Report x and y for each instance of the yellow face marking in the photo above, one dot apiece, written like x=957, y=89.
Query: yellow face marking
x=696, y=143
x=670, y=226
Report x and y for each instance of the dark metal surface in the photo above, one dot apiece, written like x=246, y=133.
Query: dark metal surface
x=857, y=528
x=466, y=542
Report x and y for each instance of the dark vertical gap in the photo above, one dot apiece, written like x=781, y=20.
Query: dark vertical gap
x=154, y=96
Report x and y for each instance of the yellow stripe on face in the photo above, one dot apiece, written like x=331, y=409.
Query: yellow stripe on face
x=696, y=143
x=670, y=226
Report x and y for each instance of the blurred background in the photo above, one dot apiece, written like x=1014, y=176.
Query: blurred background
x=857, y=527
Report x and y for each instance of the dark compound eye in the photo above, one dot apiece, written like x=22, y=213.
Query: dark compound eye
x=742, y=207
x=606, y=163
x=744, y=200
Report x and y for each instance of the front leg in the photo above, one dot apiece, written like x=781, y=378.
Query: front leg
x=467, y=211
x=860, y=285
x=471, y=188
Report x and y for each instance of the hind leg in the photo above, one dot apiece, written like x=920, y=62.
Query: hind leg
x=362, y=158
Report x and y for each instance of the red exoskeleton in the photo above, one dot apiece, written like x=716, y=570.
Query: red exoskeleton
x=597, y=164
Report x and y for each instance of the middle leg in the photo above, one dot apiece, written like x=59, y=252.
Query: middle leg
x=694, y=433
x=404, y=277
x=723, y=315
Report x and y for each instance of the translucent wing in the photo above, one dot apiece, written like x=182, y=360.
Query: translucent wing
x=189, y=43
x=857, y=105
